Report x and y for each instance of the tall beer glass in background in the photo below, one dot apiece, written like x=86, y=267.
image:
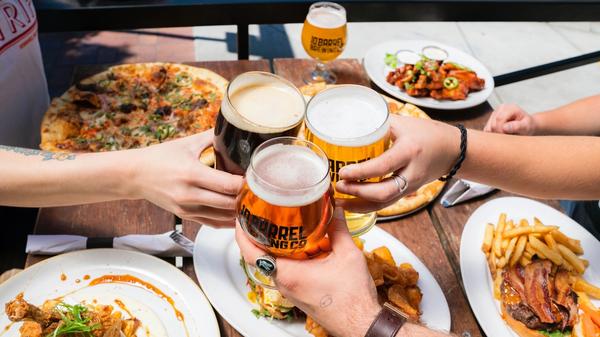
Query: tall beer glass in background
x=257, y=106
x=286, y=202
x=324, y=38
x=350, y=123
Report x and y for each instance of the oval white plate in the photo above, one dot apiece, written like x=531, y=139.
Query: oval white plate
x=473, y=266
x=377, y=71
x=42, y=281
x=217, y=265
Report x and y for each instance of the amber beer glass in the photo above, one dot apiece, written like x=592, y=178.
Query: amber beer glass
x=257, y=106
x=286, y=202
x=324, y=38
x=351, y=124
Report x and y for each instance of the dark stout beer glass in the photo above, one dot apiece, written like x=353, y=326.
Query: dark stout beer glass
x=257, y=106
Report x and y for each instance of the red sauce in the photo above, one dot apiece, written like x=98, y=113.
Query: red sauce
x=140, y=283
x=123, y=307
x=86, y=277
x=63, y=277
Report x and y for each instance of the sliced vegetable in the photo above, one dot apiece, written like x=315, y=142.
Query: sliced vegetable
x=450, y=82
x=391, y=60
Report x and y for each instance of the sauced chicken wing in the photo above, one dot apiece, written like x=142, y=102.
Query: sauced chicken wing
x=430, y=78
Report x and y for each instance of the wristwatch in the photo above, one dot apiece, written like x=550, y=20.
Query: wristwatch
x=387, y=323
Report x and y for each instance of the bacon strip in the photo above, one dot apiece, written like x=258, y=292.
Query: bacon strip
x=537, y=294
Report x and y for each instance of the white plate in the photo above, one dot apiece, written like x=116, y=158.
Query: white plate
x=378, y=70
x=217, y=265
x=43, y=281
x=473, y=266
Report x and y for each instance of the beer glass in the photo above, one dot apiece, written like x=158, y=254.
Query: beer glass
x=286, y=202
x=351, y=124
x=257, y=106
x=324, y=38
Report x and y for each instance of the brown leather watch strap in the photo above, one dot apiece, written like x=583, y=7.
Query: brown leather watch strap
x=387, y=323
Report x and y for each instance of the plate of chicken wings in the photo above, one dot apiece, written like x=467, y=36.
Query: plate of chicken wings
x=429, y=74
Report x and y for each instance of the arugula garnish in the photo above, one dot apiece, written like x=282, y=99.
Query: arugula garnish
x=73, y=321
x=555, y=333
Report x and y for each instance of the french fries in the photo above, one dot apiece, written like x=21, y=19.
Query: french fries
x=550, y=254
x=497, y=247
x=571, y=258
x=528, y=230
x=572, y=244
x=582, y=285
x=520, y=248
x=488, y=238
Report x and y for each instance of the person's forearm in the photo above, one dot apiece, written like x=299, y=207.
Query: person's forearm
x=581, y=117
x=415, y=330
x=545, y=167
x=33, y=178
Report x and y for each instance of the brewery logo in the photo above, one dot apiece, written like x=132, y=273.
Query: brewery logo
x=336, y=165
x=326, y=45
x=270, y=234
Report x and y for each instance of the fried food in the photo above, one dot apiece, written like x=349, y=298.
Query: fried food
x=56, y=318
x=432, y=78
x=537, y=271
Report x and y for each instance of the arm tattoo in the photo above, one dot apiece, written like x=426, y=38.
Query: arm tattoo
x=46, y=155
x=326, y=301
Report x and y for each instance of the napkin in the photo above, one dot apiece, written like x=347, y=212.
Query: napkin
x=464, y=190
x=162, y=245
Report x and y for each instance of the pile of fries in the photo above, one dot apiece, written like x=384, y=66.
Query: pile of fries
x=509, y=243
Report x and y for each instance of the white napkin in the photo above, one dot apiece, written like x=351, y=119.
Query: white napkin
x=464, y=190
x=158, y=245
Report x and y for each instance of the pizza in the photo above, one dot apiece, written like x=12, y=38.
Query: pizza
x=133, y=105
x=426, y=193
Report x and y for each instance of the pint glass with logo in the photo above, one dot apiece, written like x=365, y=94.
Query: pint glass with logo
x=286, y=202
x=351, y=124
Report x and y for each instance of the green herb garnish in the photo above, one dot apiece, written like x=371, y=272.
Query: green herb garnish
x=73, y=321
x=391, y=60
x=555, y=333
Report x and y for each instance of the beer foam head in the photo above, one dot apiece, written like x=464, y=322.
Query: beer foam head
x=288, y=175
x=348, y=115
x=326, y=15
x=263, y=103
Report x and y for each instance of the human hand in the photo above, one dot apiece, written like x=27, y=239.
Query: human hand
x=511, y=119
x=423, y=151
x=171, y=176
x=337, y=291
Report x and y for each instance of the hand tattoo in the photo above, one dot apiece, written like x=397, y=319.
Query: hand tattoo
x=326, y=301
x=46, y=155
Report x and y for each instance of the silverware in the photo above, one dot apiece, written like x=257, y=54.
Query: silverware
x=183, y=241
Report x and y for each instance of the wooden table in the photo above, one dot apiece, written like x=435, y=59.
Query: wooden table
x=433, y=233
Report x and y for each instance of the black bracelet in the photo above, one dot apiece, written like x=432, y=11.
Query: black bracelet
x=461, y=157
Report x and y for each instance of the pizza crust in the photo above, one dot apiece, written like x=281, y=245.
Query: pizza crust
x=426, y=193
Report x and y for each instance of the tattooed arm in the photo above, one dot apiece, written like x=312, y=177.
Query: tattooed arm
x=168, y=175
x=37, y=178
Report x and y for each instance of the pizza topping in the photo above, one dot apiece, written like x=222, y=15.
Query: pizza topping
x=163, y=110
x=127, y=107
x=87, y=100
